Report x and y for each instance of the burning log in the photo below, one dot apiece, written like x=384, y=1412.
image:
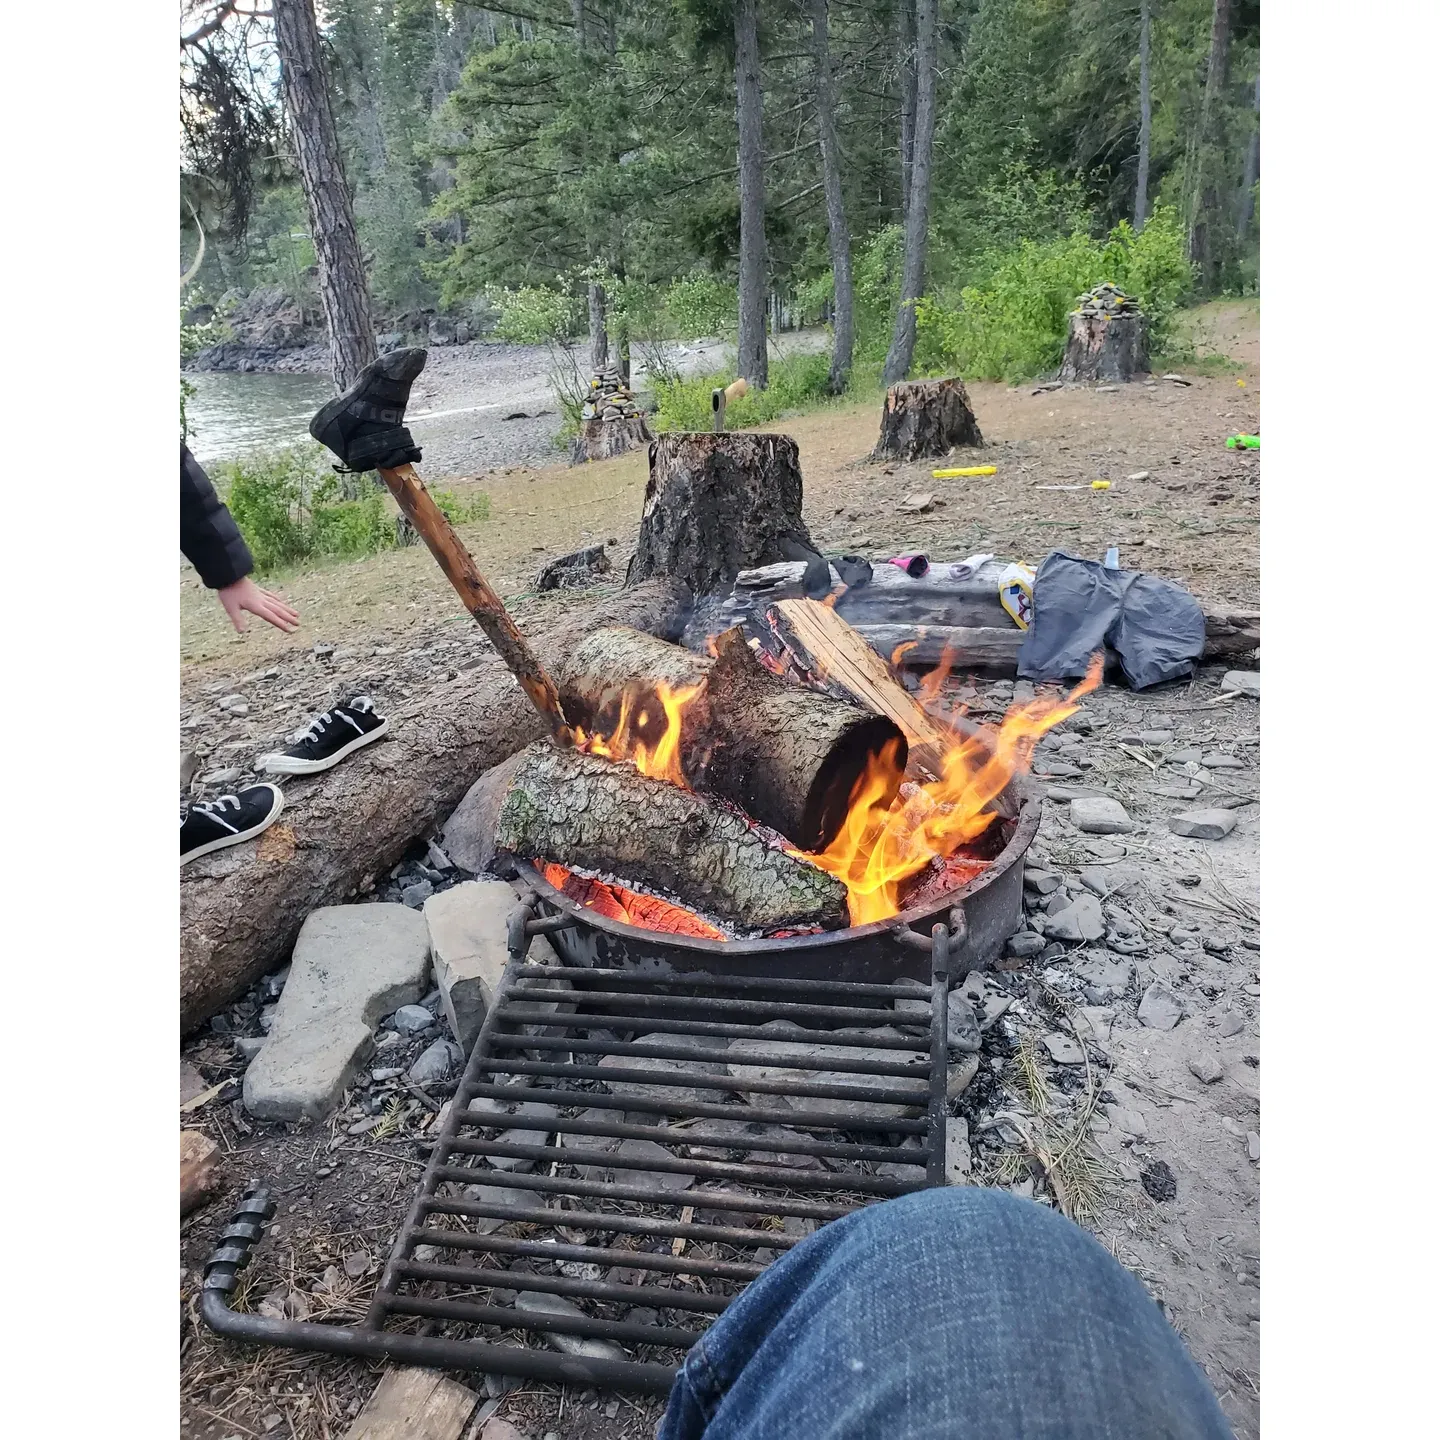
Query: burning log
x=787, y=755
x=241, y=908
x=717, y=504
x=582, y=811
x=925, y=417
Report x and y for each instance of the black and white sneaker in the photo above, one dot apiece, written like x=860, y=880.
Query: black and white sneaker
x=214, y=824
x=329, y=739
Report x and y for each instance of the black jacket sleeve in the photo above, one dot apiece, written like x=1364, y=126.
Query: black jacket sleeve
x=209, y=538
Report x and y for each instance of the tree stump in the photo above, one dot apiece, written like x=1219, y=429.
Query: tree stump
x=925, y=418
x=604, y=439
x=1107, y=338
x=717, y=504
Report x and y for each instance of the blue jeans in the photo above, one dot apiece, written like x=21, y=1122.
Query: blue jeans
x=957, y=1312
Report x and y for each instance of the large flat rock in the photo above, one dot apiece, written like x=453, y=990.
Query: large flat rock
x=351, y=965
x=467, y=927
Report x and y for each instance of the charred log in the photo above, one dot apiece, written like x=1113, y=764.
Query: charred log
x=581, y=811
x=925, y=418
x=717, y=504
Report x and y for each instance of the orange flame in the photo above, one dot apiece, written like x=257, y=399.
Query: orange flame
x=646, y=732
x=880, y=847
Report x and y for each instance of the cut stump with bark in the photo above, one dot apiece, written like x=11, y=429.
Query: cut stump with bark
x=605, y=439
x=1111, y=348
x=717, y=504
x=925, y=418
x=241, y=908
x=604, y=816
x=787, y=755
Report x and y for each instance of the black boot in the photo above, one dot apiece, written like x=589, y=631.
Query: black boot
x=365, y=426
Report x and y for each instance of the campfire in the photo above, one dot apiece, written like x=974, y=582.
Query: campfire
x=904, y=837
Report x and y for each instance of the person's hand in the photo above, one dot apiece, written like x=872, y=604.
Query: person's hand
x=247, y=595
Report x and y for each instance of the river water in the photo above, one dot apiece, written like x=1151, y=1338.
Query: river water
x=231, y=413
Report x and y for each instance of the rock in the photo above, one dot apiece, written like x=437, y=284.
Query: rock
x=495, y=1428
x=358, y=1264
x=1159, y=1007
x=189, y=764
x=1247, y=682
x=957, y=1150
x=641, y=1150
x=768, y=1057
x=1203, y=823
x=1190, y=755
x=1081, y=919
x=962, y=1030
x=958, y=1077
x=1042, y=882
x=1104, y=979
x=679, y=1095
x=1219, y=760
x=1128, y=1122
x=1188, y=790
x=1057, y=770
x=436, y=1062
x=1148, y=737
x=1205, y=1068
x=989, y=1001
x=417, y=894
x=1252, y=1144
x=1230, y=1022
x=192, y=1082
x=412, y=1019
x=247, y=1047
x=1024, y=944
x=228, y=776
x=1097, y=1019
x=1158, y=1180
x=499, y=1196
x=532, y=1302
x=351, y=965
x=468, y=937
x=1063, y=1050
x=1100, y=815
x=521, y=1135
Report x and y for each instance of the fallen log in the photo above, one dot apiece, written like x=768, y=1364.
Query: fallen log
x=600, y=815
x=716, y=504
x=925, y=418
x=786, y=755
x=960, y=647
x=241, y=908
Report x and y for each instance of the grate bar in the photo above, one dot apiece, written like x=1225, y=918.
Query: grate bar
x=759, y=1010
x=737, y=1031
x=647, y=982
x=655, y=1296
x=508, y=1318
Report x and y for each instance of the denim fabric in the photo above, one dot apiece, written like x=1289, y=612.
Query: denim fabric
x=959, y=1312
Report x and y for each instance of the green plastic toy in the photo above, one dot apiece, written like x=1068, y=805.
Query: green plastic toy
x=1243, y=442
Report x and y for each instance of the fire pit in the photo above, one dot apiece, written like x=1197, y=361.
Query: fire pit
x=878, y=952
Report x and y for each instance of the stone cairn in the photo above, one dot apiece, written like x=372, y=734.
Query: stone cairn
x=609, y=398
x=1106, y=299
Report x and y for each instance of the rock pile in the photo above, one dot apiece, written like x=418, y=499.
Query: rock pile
x=1106, y=299
x=609, y=398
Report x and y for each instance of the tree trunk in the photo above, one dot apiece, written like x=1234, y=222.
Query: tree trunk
x=717, y=504
x=604, y=439
x=1105, y=348
x=599, y=339
x=925, y=418
x=577, y=17
x=1252, y=175
x=786, y=755
x=343, y=289
x=241, y=908
x=840, y=357
x=1205, y=203
x=1142, y=162
x=905, y=49
x=749, y=103
x=594, y=814
x=917, y=210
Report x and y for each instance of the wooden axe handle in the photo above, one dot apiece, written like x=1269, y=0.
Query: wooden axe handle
x=474, y=590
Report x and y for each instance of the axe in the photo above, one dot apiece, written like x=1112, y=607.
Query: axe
x=719, y=399
x=365, y=428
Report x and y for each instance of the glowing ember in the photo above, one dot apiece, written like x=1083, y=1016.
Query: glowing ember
x=881, y=847
x=630, y=906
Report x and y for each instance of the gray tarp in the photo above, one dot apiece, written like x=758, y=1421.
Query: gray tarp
x=1156, y=628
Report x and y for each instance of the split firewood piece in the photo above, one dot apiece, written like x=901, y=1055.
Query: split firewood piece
x=599, y=815
x=414, y=1405
x=200, y=1177
x=787, y=755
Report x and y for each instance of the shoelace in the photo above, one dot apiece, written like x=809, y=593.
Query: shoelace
x=361, y=705
x=213, y=807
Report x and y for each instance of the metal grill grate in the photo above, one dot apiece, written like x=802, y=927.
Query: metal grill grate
x=684, y=1130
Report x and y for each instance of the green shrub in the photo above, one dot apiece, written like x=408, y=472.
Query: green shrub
x=1013, y=323
x=535, y=315
x=459, y=510
x=701, y=305
x=290, y=510
x=797, y=382
x=878, y=271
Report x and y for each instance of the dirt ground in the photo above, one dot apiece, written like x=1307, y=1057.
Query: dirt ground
x=1188, y=908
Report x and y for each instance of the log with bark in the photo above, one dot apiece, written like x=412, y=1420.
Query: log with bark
x=1105, y=347
x=787, y=755
x=241, y=908
x=717, y=504
x=925, y=418
x=601, y=815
